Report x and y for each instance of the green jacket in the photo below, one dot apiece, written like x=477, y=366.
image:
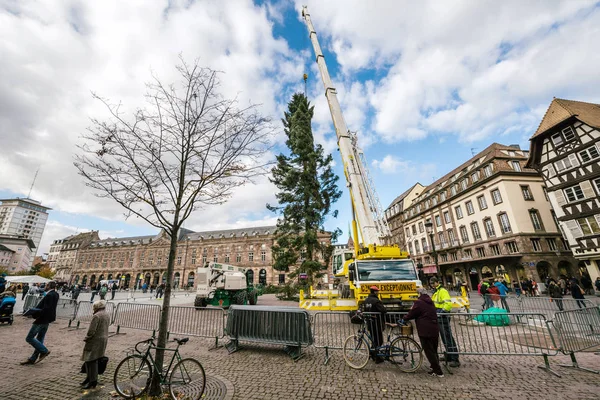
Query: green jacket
x=441, y=299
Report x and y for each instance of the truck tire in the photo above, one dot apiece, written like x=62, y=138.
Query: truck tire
x=240, y=297
x=253, y=298
x=199, y=302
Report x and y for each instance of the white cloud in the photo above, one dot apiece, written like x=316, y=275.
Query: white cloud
x=391, y=164
x=476, y=70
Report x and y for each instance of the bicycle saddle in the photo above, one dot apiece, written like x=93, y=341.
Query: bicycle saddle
x=182, y=340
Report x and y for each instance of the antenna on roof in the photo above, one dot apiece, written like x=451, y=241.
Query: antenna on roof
x=33, y=183
x=473, y=151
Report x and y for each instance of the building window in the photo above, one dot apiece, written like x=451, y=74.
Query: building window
x=434, y=200
x=476, y=231
x=574, y=193
x=453, y=190
x=424, y=244
x=417, y=248
x=410, y=247
x=238, y=257
x=526, y=192
x=463, y=184
x=565, y=244
x=447, y=217
x=589, y=225
x=421, y=227
x=414, y=229
x=178, y=260
x=451, y=237
x=480, y=252
x=458, y=211
x=487, y=170
x=495, y=249
x=504, y=223
x=227, y=257
x=454, y=256
x=263, y=255
x=482, y=202
x=535, y=220
x=407, y=231
x=512, y=247
x=537, y=245
x=552, y=244
x=475, y=176
x=489, y=228
x=438, y=220
x=468, y=254
x=516, y=166
x=597, y=184
x=443, y=196
x=250, y=256
x=215, y=258
x=441, y=238
x=470, y=209
x=496, y=196
x=566, y=163
x=444, y=257
x=589, y=154
x=464, y=235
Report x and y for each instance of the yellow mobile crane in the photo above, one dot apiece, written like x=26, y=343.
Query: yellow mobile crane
x=374, y=261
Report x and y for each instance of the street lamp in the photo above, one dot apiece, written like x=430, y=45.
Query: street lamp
x=429, y=229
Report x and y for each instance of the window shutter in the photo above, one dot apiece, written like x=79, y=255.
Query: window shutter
x=574, y=228
x=597, y=216
x=560, y=197
x=550, y=171
x=574, y=160
x=588, y=191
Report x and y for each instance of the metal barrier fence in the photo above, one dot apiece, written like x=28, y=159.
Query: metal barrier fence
x=66, y=309
x=204, y=322
x=578, y=330
x=31, y=300
x=270, y=325
x=85, y=312
x=542, y=305
x=137, y=316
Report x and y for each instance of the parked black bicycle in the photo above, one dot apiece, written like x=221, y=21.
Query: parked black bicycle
x=186, y=380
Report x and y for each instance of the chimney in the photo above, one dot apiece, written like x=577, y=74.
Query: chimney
x=515, y=146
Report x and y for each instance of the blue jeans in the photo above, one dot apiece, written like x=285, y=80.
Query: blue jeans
x=35, y=337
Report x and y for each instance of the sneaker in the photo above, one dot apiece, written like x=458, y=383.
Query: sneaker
x=454, y=364
x=436, y=375
x=27, y=362
x=42, y=356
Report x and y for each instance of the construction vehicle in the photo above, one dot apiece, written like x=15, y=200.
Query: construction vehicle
x=222, y=285
x=374, y=260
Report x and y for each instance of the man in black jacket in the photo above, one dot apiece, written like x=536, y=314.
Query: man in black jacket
x=375, y=323
x=44, y=313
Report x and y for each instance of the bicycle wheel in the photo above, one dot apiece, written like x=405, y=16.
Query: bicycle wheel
x=356, y=352
x=406, y=354
x=187, y=380
x=132, y=376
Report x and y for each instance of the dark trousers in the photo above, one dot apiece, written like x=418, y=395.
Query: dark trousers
x=504, y=303
x=559, y=303
x=91, y=368
x=430, y=345
x=581, y=303
x=23, y=296
x=446, y=334
x=112, y=294
x=376, y=332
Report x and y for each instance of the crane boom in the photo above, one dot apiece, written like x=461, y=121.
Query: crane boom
x=372, y=224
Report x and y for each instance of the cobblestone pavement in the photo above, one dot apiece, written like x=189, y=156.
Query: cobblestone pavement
x=267, y=372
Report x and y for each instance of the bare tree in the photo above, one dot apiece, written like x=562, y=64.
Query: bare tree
x=189, y=147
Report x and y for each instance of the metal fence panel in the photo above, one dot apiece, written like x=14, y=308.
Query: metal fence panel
x=137, y=316
x=550, y=306
x=203, y=322
x=578, y=330
x=66, y=309
x=31, y=300
x=85, y=311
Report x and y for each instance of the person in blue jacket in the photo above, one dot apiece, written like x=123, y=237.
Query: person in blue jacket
x=503, y=293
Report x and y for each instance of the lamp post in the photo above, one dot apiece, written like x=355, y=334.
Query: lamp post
x=429, y=229
x=421, y=275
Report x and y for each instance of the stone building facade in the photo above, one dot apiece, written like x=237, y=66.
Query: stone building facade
x=64, y=260
x=491, y=217
x=565, y=150
x=143, y=259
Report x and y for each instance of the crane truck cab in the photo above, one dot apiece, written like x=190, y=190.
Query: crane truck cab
x=222, y=285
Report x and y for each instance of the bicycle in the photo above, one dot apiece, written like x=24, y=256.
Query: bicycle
x=186, y=380
x=402, y=351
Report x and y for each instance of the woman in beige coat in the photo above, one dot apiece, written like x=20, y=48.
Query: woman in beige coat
x=95, y=343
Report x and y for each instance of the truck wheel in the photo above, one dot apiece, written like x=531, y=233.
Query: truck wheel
x=253, y=298
x=199, y=302
x=240, y=298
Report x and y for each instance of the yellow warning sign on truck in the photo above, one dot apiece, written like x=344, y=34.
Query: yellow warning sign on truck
x=404, y=287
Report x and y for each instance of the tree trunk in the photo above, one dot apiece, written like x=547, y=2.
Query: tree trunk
x=163, y=327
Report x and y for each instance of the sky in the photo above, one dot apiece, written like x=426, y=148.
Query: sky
x=424, y=84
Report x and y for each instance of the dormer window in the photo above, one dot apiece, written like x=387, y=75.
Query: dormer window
x=566, y=135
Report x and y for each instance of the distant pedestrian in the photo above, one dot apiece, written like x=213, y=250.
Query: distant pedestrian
x=160, y=290
x=25, y=290
x=555, y=293
x=597, y=284
x=44, y=314
x=503, y=291
x=424, y=313
x=95, y=340
x=103, y=291
x=2, y=282
x=586, y=284
x=113, y=290
x=577, y=293
x=76, y=291
x=144, y=288
x=562, y=283
x=95, y=291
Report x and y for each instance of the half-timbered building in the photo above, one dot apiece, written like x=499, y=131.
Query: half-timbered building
x=565, y=149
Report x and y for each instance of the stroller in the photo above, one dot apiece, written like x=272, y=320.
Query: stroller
x=7, y=304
